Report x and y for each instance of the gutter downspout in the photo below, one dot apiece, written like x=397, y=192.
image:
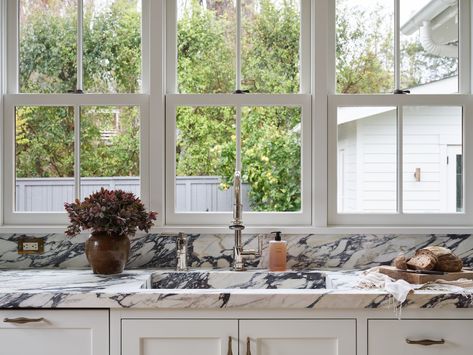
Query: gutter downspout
x=432, y=47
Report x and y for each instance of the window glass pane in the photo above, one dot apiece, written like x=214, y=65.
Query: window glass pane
x=112, y=46
x=271, y=158
x=47, y=46
x=367, y=160
x=110, y=149
x=205, y=158
x=365, y=46
x=44, y=152
x=270, y=46
x=432, y=159
x=206, y=35
x=429, y=46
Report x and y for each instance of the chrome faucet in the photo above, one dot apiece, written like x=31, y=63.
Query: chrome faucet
x=239, y=253
x=181, y=250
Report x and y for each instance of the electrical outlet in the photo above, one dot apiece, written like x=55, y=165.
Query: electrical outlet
x=30, y=246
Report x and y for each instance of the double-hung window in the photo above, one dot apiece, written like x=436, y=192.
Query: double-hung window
x=75, y=115
x=400, y=121
x=238, y=98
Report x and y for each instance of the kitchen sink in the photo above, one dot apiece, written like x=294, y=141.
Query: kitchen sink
x=236, y=280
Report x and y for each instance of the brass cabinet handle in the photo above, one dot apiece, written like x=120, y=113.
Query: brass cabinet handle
x=23, y=320
x=230, y=350
x=425, y=342
x=248, y=346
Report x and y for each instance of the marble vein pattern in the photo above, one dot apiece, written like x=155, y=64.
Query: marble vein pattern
x=305, y=252
x=81, y=289
x=242, y=280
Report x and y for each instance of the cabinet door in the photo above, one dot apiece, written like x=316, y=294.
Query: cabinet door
x=301, y=337
x=420, y=337
x=54, y=332
x=179, y=337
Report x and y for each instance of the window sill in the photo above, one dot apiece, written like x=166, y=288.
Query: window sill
x=266, y=229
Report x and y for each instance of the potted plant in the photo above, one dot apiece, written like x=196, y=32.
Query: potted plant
x=113, y=216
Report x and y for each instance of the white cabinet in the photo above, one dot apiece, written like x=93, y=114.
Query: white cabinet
x=179, y=337
x=220, y=337
x=301, y=337
x=54, y=332
x=420, y=337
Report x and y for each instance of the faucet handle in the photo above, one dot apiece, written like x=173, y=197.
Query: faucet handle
x=261, y=238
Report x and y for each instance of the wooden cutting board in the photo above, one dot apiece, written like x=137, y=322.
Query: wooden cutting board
x=413, y=278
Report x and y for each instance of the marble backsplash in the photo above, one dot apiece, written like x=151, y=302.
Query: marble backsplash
x=358, y=251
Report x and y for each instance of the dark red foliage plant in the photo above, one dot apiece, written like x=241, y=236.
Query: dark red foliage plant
x=114, y=212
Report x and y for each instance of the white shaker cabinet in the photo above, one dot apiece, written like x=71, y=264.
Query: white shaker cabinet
x=220, y=337
x=420, y=337
x=54, y=332
x=301, y=337
x=182, y=336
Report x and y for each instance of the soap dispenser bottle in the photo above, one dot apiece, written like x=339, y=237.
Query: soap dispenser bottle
x=277, y=253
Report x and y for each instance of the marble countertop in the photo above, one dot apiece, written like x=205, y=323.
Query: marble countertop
x=46, y=288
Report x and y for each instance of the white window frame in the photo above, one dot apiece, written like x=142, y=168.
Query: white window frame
x=301, y=99
x=14, y=99
x=462, y=99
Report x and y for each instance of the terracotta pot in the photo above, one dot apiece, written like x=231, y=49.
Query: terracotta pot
x=107, y=254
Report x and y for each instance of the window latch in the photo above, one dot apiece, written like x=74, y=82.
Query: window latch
x=400, y=92
x=75, y=91
x=241, y=92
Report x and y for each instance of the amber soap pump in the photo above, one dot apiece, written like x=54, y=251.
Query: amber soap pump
x=277, y=253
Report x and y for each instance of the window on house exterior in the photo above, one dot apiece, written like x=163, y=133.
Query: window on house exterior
x=75, y=106
x=250, y=53
x=399, y=156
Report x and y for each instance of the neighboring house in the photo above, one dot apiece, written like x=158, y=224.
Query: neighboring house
x=432, y=137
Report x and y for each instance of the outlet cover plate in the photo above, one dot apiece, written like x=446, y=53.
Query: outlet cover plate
x=30, y=246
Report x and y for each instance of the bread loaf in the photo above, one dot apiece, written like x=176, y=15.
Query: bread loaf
x=400, y=262
x=446, y=260
x=422, y=261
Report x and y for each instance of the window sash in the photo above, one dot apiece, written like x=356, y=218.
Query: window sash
x=13, y=217
x=302, y=217
x=304, y=50
x=399, y=218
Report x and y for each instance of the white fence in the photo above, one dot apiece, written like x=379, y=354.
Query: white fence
x=193, y=194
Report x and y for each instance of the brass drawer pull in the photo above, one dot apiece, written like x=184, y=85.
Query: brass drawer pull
x=425, y=342
x=23, y=320
x=230, y=350
x=248, y=346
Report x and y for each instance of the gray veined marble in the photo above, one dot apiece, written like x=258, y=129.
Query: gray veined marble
x=81, y=289
x=237, y=280
x=305, y=252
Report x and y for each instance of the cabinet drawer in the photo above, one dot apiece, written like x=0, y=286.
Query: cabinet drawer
x=420, y=337
x=54, y=332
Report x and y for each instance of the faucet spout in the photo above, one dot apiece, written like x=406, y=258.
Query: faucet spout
x=237, y=206
x=239, y=253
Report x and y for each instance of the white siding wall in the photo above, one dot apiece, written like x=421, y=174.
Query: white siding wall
x=367, y=160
